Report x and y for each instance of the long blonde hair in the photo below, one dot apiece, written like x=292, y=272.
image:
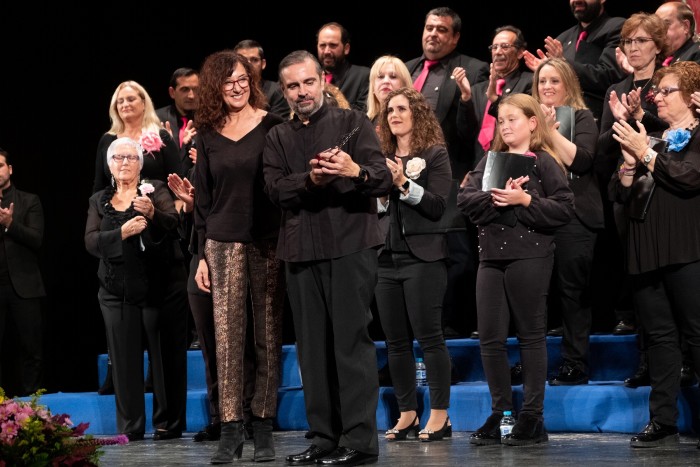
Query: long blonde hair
x=373, y=104
x=541, y=137
x=150, y=122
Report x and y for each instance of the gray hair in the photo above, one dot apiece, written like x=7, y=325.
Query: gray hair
x=125, y=141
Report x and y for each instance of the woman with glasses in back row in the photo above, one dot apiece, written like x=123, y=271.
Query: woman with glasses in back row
x=662, y=241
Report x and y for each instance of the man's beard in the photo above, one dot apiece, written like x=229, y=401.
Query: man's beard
x=589, y=13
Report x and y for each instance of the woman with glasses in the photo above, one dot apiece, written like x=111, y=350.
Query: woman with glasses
x=132, y=115
x=237, y=228
x=131, y=228
x=662, y=242
x=644, y=44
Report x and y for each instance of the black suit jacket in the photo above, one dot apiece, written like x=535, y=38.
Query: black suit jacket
x=689, y=52
x=353, y=82
x=470, y=114
x=459, y=148
x=23, y=240
x=276, y=103
x=594, y=61
x=436, y=179
x=170, y=114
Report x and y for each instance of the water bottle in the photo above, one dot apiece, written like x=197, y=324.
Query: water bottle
x=421, y=379
x=507, y=422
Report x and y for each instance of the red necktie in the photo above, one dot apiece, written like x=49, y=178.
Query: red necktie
x=329, y=77
x=183, y=127
x=581, y=37
x=489, y=123
x=427, y=66
x=668, y=60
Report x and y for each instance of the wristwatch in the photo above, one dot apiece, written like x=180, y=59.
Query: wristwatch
x=404, y=188
x=648, y=156
x=362, y=176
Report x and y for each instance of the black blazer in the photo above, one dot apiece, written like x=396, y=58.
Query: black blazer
x=23, y=240
x=436, y=179
x=689, y=52
x=470, y=114
x=594, y=61
x=170, y=114
x=276, y=103
x=353, y=82
x=459, y=148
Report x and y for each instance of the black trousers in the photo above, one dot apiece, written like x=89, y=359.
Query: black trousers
x=573, y=262
x=514, y=290
x=125, y=324
x=26, y=315
x=330, y=302
x=459, y=304
x=409, y=298
x=668, y=303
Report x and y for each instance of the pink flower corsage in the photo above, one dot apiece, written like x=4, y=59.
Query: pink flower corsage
x=150, y=141
x=146, y=188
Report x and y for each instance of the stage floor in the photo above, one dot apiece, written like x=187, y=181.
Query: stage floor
x=563, y=449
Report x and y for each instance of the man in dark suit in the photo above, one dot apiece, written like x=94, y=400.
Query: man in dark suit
x=333, y=48
x=21, y=284
x=590, y=48
x=177, y=117
x=441, y=34
x=681, y=32
x=253, y=51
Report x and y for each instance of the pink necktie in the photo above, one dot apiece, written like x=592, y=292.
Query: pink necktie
x=489, y=123
x=581, y=37
x=427, y=66
x=668, y=60
x=183, y=127
x=329, y=77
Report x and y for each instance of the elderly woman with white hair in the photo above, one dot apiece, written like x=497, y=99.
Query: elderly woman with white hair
x=131, y=228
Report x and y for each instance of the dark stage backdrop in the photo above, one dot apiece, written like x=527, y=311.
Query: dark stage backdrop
x=62, y=62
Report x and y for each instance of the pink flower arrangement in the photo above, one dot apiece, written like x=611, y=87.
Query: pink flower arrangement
x=30, y=435
x=150, y=141
x=146, y=188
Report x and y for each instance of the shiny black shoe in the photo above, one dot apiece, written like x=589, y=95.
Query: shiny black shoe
x=489, y=433
x=516, y=374
x=401, y=434
x=347, y=456
x=211, y=432
x=569, y=376
x=474, y=335
x=162, y=435
x=655, y=434
x=556, y=332
x=527, y=430
x=310, y=456
x=640, y=378
x=623, y=328
x=687, y=376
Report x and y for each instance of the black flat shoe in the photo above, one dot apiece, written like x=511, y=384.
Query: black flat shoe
x=640, y=378
x=489, y=433
x=526, y=431
x=347, y=456
x=655, y=434
x=310, y=456
x=211, y=432
x=569, y=376
x=400, y=434
x=556, y=332
x=444, y=432
x=162, y=435
x=134, y=437
x=516, y=374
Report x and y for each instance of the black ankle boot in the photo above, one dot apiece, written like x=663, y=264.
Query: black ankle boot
x=262, y=437
x=528, y=429
x=230, y=443
x=108, y=385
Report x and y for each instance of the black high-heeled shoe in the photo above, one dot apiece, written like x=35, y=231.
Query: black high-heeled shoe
x=444, y=432
x=402, y=433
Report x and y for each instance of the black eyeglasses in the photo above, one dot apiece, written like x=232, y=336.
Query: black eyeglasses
x=243, y=82
x=636, y=41
x=128, y=157
x=503, y=47
x=663, y=91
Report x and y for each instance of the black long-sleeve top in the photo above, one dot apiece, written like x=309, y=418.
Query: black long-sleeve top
x=670, y=234
x=329, y=221
x=552, y=206
x=230, y=202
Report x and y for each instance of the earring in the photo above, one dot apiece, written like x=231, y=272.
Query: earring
x=113, y=181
